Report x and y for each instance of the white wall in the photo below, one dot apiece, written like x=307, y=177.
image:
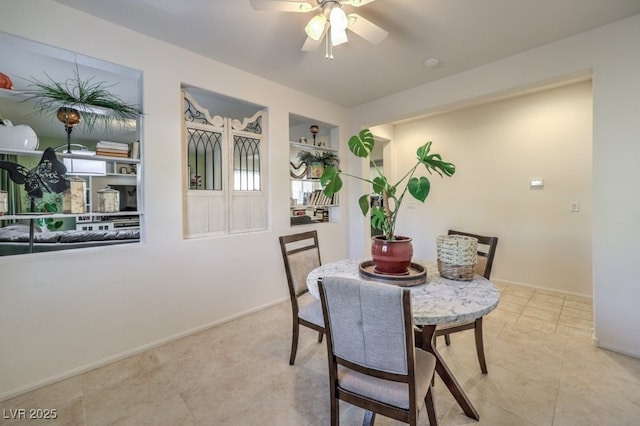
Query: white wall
x=65, y=312
x=612, y=54
x=497, y=149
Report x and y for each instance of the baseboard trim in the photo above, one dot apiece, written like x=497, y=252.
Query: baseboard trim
x=616, y=350
x=12, y=393
x=535, y=287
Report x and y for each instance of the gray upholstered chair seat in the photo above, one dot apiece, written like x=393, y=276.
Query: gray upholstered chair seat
x=387, y=391
x=310, y=309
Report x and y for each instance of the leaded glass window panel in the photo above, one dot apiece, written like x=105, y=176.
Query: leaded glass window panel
x=246, y=163
x=205, y=159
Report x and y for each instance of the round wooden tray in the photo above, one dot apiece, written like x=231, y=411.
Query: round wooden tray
x=416, y=275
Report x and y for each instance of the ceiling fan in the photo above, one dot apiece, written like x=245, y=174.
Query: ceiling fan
x=330, y=21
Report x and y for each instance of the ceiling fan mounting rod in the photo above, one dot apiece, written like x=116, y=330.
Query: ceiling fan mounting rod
x=326, y=9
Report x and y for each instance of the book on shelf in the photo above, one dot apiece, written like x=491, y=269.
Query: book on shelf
x=317, y=198
x=110, y=153
x=82, y=152
x=312, y=198
x=334, y=199
x=135, y=150
x=119, y=146
x=112, y=149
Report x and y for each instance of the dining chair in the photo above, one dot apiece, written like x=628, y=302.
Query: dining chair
x=301, y=254
x=373, y=361
x=486, y=253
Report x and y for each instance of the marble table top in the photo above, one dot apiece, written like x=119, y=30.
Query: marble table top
x=438, y=301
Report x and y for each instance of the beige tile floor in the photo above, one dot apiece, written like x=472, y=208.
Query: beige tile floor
x=543, y=370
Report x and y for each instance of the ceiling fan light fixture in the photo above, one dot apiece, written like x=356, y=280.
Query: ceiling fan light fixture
x=338, y=19
x=315, y=27
x=338, y=37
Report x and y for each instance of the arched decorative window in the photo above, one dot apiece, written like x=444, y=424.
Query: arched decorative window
x=225, y=169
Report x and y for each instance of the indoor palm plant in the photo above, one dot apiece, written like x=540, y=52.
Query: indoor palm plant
x=318, y=162
x=384, y=217
x=91, y=99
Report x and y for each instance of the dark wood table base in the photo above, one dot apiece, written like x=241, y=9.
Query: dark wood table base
x=424, y=340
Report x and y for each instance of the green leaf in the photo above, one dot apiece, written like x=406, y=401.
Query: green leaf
x=330, y=181
x=440, y=167
x=448, y=168
x=378, y=219
x=363, y=202
x=434, y=162
x=361, y=145
x=419, y=188
x=379, y=184
x=423, y=151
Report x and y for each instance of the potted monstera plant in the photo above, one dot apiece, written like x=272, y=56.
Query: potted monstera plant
x=391, y=253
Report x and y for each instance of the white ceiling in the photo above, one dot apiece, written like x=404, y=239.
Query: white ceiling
x=462, y=34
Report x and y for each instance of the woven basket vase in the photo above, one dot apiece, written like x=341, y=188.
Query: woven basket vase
x=457, y=256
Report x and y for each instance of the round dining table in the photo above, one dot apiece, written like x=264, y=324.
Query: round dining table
x=437, y=301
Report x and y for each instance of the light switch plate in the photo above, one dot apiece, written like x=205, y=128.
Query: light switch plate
x=537, y=183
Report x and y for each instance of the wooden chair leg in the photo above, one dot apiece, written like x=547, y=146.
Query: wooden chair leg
x=447, y=339
x=294, y=342
x=480, y=345
x=335, y=411
x=431, y=408
x=320, y=334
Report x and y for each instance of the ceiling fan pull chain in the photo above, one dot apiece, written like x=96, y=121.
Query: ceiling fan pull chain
x=328, y=46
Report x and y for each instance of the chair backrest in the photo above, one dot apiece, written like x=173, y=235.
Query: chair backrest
x=301, y=254
x=368, y=325
x=486, y=251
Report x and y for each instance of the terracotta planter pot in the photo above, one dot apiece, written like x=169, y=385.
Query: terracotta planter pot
x=391, y=257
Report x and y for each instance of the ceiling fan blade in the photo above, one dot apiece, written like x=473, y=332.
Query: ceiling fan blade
x=356, y=3
x=366, y=29
x=283, y=6
x=310, y=44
